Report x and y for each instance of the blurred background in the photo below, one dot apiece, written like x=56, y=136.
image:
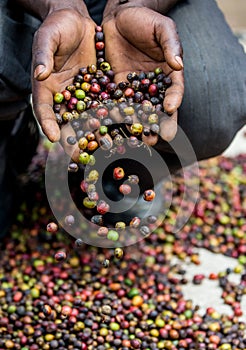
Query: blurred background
x=235, y=14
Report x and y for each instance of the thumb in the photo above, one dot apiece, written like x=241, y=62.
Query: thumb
x=167, y=35
x=44, y=47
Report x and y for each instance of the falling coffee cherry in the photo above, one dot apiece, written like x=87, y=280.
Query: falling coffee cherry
x=133, y=179
x=69, y=220
x=118, y=173
x=135, y=222
x=79, y=243
x=125, y=189
x=102, y=207
x=118, y=253
x=149, y=195
x=52, y=227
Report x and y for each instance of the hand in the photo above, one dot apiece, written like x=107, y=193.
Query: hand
x=139, y=39
x=63, y=44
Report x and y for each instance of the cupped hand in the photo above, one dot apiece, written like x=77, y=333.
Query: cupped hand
x=63, y=44
x=139, y=39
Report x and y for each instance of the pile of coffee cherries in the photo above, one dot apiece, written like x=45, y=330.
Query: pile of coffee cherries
x=91, y=104
x=78, y=304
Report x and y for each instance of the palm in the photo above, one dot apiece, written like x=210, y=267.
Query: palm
x=70, y=48
x=132, y=44
x=139, y=39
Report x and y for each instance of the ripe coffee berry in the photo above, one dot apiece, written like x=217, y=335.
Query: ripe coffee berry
x=118, y=173
x=125, y=189
x=149, y=195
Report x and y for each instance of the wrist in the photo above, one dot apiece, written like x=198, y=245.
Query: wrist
x=113, y=7
x=42, y=9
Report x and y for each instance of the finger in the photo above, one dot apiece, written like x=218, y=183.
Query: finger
x=45, y=45
x=167, y=35
x=42, y=99
x=168, y=127
x=45, y=115
x=105, y=141
x=174, y=93
x=115, y=115
x=150, y=140
x=71, y=150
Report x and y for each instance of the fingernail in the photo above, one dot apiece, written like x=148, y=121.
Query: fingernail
x=105, y=143
x=39, y=70
x=179, y=61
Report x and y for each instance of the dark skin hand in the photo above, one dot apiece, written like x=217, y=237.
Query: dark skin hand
x=140, y=39
x=63, y=44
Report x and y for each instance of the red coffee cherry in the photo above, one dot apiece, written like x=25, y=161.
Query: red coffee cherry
x=149, y=195
x=118, y=173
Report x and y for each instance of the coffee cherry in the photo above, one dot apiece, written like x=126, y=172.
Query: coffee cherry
x=118, y=253
x=149, y=195
x=80, y=94
x=103, y=207
x=92, y=146
x=90, y=204
x=93, y=196
x=80, y=106
x=120, y=225
x=92, y=160
x=66, y=94
x=84, y=158
x=153, y=118
x=97, y=220
x=105, y=263
x=105, y=66
x=106, y=310
x=118, y=173
x=133, y=179
x=113, y=235
x=52, y=227
x=153, y=90
x=102, y=231
x=95, y=88
x=82, y=143
x=136, y=129
x=69, y=220
x=125, y=189
x=103, y=130
x=79, y=243
x=135, y=222
x=58, y=97
x=93, y=176
x=144, y=230
x=60, y=256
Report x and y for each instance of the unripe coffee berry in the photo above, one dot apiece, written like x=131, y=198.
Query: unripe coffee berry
x=84, y=158
x=136, y=129
x=103, y=130
x=89, y=204
x=118, y=253
x=58, y=97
